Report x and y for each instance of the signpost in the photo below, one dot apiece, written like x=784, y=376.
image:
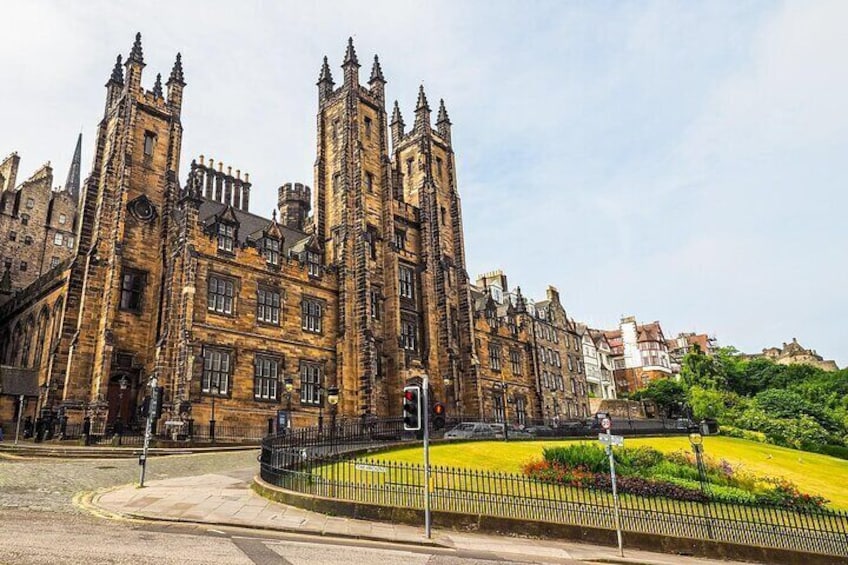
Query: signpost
x=608, y=440
x=151, y=414
x=426, y=424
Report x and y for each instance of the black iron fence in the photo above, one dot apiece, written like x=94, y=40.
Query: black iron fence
x=321, y=463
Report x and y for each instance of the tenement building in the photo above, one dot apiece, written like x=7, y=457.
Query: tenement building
x=355, y=285
x=639, y=354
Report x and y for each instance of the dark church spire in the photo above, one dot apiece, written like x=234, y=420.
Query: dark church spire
x=72, y=183
x=117, y=74
x=135, y=53
x=157, y=86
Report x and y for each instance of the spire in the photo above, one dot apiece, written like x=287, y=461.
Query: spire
x=376, y=72
x=350, y=54
x=422, y=111
x=177, y=72
x=117, y=73
x=443, y=123
x=325, y=80
x=422, y=100
x=351, y=64
x=396, y=117
x=72, y=183
x=157, y=86
x=396, y=125
x=443, y=114
x=135, y=54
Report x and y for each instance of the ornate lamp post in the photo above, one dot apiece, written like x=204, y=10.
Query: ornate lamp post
x=214, y=390
x=333, y=399
x=119, y=424
x=288, y=382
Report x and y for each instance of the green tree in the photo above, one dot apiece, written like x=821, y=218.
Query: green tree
x=666, y=393
x=709, y=403
x=702, y=370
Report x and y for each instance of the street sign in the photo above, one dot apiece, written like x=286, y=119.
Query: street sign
x=607, y=439
x=372, y=468
x=606, y=423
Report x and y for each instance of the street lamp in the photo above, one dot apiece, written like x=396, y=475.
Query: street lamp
x=214, y=390
x=289, y=384
x=119, y=425
x=333, y=399
x=697, y=441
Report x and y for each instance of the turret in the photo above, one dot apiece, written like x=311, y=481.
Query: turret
x=377, y=83
x=351, y=65
x=294, y=203
x=443, y=123
x=176, y=84
x=397, y=126
x=325, y=81
x=135, y=65
x=115, y=84
x=422, y=112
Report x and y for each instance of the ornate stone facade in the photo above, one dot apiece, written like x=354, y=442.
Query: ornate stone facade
x=794, y=354
x=360, y=284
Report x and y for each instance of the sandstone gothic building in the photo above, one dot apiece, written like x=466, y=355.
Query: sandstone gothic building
x=358, y=283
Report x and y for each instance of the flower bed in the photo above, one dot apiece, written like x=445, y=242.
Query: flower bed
x=644, y=471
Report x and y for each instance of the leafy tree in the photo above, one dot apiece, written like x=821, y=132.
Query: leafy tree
x=666, y=393
x=782, y=403
x=699, y=369
x=710, y=403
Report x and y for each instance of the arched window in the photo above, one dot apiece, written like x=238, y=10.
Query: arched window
x=26, y=343
x=41, y=334
x=56, y=332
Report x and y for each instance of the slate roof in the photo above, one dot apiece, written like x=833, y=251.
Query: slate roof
x=251, y=226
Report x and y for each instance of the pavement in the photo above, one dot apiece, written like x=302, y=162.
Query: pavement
x=226, y=500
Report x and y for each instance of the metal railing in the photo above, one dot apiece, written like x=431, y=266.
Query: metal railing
x=322, y=463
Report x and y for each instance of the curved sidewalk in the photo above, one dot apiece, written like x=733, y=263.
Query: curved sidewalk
x=227, y=500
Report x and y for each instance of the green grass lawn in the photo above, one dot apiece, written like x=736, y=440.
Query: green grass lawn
x=813, y=473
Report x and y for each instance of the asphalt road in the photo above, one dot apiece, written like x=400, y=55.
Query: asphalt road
x=39, y=524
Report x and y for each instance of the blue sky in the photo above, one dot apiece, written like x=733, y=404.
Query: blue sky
x=678, y=161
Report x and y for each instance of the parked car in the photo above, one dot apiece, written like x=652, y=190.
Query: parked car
x=514, y=432
x=473, y=430
x=685, y=424
x=540, y=431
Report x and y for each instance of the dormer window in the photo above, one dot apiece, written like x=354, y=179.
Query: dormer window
x=272, y=251
x=226, y=237
x=313, y=264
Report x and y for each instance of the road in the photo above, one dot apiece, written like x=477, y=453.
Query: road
x=39, y=523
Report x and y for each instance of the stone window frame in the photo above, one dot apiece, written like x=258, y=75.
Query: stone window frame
x=30, y=203
x=54, y=262
x=520, y=410
x=369, y=182
x=271, y=250
x=367, y=123
x=13, y=235
x=133, y=283
x=25, y=219
x=217, y=368
x=312, y=314
x=63, y=219
x=399, y=239
x=27, y=240
x=515, y=361
x=269, y=305
x=494, y=356
x=409, y=332
x=313, y=263
x=149, y=144
x=224, y=293
x=376, y=303
x=58, y=239
x=406, y=282
x=226, y=234
x=267, y=369
x=23, y=266
x=311, y=382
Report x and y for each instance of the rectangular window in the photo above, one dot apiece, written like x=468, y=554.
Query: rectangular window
x=495, y=357
x=13, y=235
x=30, y=203
x=335, y=130
x=220, y=296
x=132, y=289
x=407, y=286
x=272, y=250
x=400, y=239
x=313, y=264
x=557, y=359
x=570, y=364
x=371, y=238
x=62, y=219
x=265, y=377
x=23, y=265
x=444, y=214
x=367, y=128
x=439, y=165
x=515, y=361
x=311, y=315
x=226, y=237
x=58, y=239
x=149, y=140
x=498, y=407
x=375, y=304
x=28, y=240
x=409, y=334
x=70, y=241
x=521, y=410
x=409, y=167
x=216, y=371
x=369, y=182
x=268, y=306
x=310, y=383
x=25, y=219
x=54, y=261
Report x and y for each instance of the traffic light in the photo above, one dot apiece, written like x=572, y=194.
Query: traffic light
x=412, y=408
x=158, y=392
x=438, y=416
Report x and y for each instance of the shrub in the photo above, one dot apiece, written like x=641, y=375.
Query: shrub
x=586, y=456
x=639, y=458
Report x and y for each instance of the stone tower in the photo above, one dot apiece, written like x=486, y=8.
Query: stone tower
x=115, y=298
x=294, y=202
